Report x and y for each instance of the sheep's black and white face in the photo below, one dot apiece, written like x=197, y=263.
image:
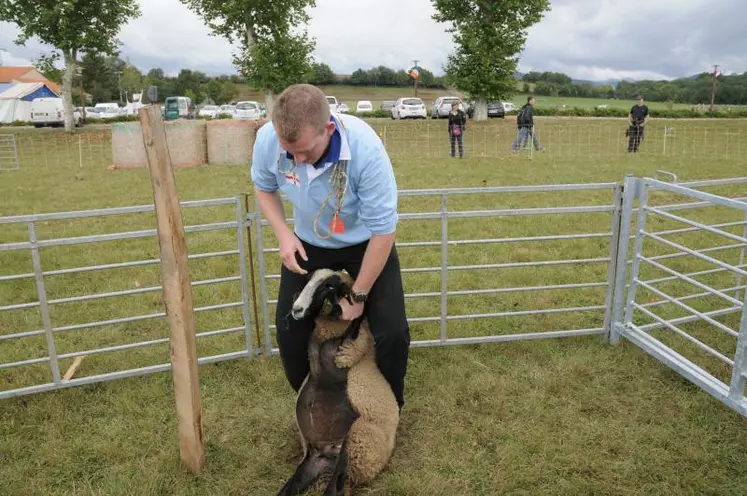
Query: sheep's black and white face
x=322, y=294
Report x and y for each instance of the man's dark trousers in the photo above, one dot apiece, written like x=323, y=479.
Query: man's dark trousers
x=384, y=309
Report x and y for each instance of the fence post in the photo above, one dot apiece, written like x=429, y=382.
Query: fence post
x=739, y=371
x=665, y=140
x=43, y=305
x=741, y=258
x=641, y=225
x=249, y=220
x=244, y=276
x=444, y=264
x=177, y=290
x=614, y=247
x=261, y=266
x=621, y=265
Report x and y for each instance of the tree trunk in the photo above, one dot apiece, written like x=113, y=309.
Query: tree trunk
x=269, y=103
x=67, y=89
x=481, y=110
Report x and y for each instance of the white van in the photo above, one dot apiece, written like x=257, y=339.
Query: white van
x=332, y=101
x=49, y=111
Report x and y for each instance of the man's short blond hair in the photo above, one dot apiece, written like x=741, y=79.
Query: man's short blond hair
x=297, y=107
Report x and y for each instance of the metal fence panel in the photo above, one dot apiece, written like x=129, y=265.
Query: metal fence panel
x=703, y=334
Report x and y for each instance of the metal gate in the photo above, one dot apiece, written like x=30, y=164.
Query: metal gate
x=681, y=295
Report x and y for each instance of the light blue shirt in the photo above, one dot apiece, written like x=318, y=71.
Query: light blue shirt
x=369, y=206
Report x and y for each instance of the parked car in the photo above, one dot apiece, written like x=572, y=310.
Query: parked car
x=442, y=106
x=49, y=111
x=227, y=110
x=209, y=111
x=332, y=101
x=508, y=107
x=247, y=111
x=388, y=105
x=413, y=108
x=364, y=106
x=495, y=109
x=178, y=107
x=343, y=108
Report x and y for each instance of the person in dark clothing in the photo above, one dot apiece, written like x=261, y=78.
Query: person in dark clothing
x=525, y=125
x=637, y=119
x=457, y=125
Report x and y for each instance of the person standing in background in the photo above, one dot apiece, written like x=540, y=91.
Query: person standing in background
x=457, y=124
x=637, y=119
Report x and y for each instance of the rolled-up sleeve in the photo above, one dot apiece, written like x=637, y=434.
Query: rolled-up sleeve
x=377, y=192
x=263, y=158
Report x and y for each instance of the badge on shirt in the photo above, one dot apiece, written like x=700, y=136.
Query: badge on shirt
x=292, y=178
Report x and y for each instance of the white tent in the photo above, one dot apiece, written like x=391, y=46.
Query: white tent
x=15, y=102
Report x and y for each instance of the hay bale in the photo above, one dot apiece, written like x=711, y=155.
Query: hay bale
x=230, y=142
x=187, y=141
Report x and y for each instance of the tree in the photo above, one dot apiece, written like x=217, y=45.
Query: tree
x=322, y=74
x=488, y=36
x=270, y=55
x=47, y=65
x=71, y=26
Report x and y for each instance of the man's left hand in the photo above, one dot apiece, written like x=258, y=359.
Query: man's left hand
x=350, y=312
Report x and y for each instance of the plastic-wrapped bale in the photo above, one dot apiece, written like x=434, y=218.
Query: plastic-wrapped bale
x=230, y=142
x=128, y=150
x=186, y=139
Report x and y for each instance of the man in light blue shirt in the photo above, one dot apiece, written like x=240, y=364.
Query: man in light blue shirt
x=335, y=171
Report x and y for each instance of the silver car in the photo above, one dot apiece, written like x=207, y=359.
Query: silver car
x=442, y=106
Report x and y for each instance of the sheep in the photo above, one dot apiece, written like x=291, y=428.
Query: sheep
x=346, y=412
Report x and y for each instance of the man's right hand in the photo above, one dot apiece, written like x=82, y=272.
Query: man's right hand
x=289, y=245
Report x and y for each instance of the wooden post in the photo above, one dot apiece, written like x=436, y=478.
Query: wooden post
x=177, y=290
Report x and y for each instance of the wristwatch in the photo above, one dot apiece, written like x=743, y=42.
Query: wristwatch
x=358, y=297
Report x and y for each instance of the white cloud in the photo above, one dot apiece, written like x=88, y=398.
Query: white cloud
x=587, y=39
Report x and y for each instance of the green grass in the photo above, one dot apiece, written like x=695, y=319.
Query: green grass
x=545, y=417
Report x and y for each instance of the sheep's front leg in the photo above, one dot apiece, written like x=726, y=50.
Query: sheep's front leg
x=352, y=350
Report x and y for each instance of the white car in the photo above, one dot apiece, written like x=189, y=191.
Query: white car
x=209, y=111
x=227, y=110
x=363, y=106
x=413, y=108
x=508, y=107
x=247, y=111
x=343, y=108
x=332, y=101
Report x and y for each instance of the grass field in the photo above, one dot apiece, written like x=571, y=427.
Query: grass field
x=352, y=94
x=573, y=416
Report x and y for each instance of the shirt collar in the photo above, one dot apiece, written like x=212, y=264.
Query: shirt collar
x=334, y=149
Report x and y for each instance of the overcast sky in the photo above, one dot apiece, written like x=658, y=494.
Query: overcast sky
x=587, y=39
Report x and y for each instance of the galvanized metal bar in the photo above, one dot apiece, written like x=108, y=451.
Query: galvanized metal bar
x=741, y=257
x=637, y=251
x=688, y=308
x=507, y=189
x=526, y=312
x=695, y=229
x=491, y=241
x=739, y=373
x=685, y=335
x=263, y=279
x=517, y=289
x=15, y=277
x=630, y=190
x=20, y=306
x=713, y=182
x=696, y=253
x=693, y=205
x=219, y=306
x=135, y=263
x=23, y=362
x=505, y=338
x=43, y=307
x=444, y=265
x=700, y=250
x=683, y=367
x=128, y=292
x=246, y=312
x=19, y=335
x=697, y=225
x=690, y=297
x=493, y=266
x=146, y=233
x=22, y=245
x=143, y=344
x=103, y=212
x=693, y=193
x=689, y=274
x=616, y=219
x=692, y=281
x=690, y=318
x=115, y=375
